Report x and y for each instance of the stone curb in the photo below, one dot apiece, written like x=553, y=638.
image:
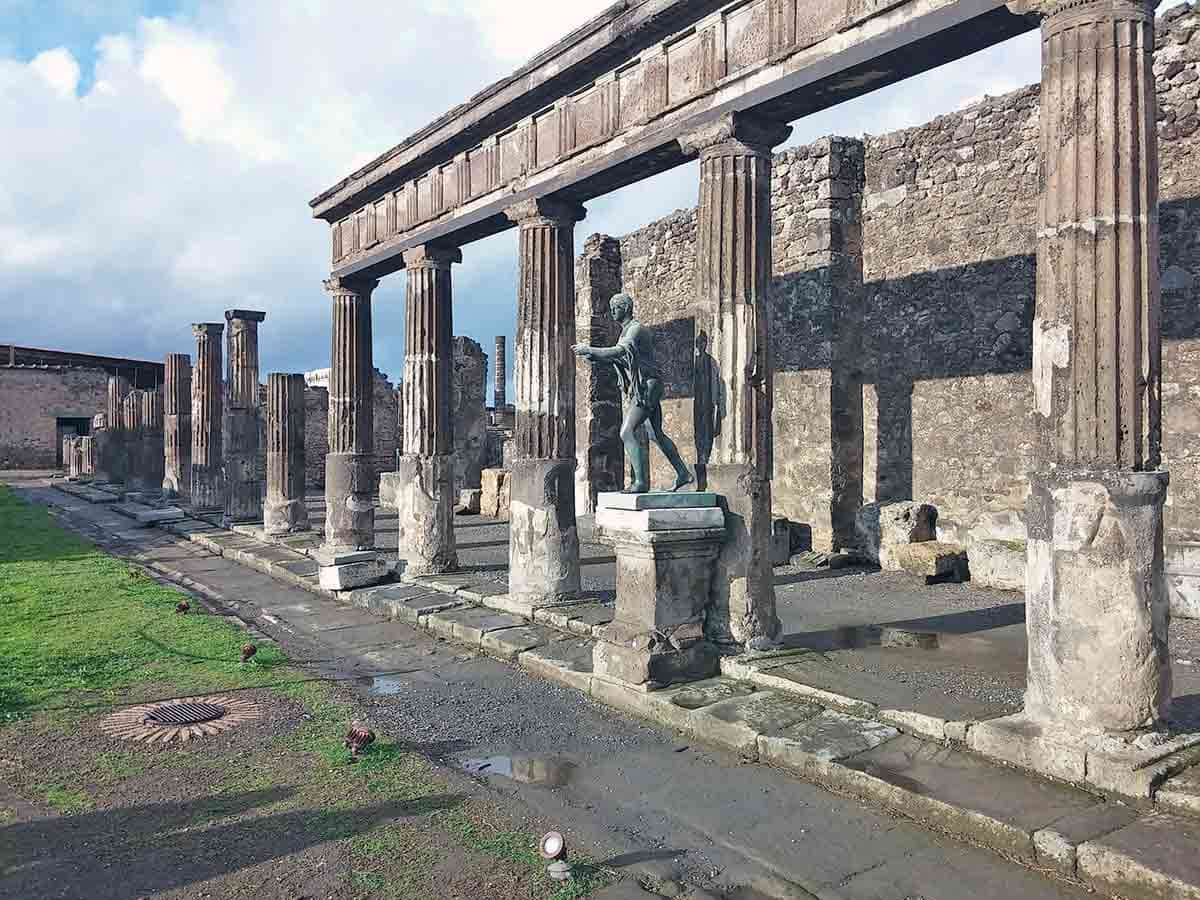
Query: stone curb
x=559, y=656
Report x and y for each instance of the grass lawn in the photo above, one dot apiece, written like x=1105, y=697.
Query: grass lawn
x=272, y=808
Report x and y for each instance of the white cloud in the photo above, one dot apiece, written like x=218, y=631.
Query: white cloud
x=177, y=185
x=59, y=70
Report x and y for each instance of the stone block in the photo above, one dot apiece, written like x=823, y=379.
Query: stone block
x=494, y=494
x=326, y=556
x=998, y=564
x=160, y=516
x=567, y=662
x=349, y=576
x=656, y=500
x=828, y=736
x=781, y=542
x=1182, y=564
x=931, y=560
x=737, y=723
x=656, y=519
x=881, y=527
x=469, y=501
x=1153, y=858
x=389, y=489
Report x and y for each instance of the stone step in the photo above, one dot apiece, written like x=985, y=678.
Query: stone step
x=578, y=618
x=468, y=624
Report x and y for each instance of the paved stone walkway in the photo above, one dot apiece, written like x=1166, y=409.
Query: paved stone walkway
x=768, y=708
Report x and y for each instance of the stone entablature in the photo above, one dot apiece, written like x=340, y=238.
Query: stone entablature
x=625, y=89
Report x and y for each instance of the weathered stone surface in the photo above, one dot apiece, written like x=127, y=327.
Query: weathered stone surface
x=828, y=736
x=659, y=519
x=1097, y=604
x=880, y=527
x=657, y=500
x=543, y=540
x=1182, y=566
x=931, y=559
x=160, y=516
x=242, y=459
x=781, y=542
x=208, y=486
x=998, y=564
x=350, y=481
x=424, y=503
x=1153, y=858
x=500, y=374
x=468, y=378
x=284, y=509
x=177, y=426
x=468, y=502
x=352, y=575
x=494, y=495
x=600, y=457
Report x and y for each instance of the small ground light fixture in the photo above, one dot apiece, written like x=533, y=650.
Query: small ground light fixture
x=553, y=847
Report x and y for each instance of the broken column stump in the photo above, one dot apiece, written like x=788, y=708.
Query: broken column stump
x=666, y=547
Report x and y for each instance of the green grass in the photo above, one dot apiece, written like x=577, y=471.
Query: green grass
x=74, y=621
x=67, y=801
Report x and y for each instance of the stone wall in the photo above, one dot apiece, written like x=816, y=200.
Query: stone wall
x=32, y=399
x=316, y=425
x=948, y=215
x=469, y=414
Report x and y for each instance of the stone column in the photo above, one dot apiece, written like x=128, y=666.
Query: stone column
x=88, y=456
x=111, y=450
x=600, y=456
x=207, y=491
x=243, y=478
x=284, y=511
x=425, y=478
x=132, y=424
x=734, y=378
x=350, y=464
x=543, y=541
x=177, y=426
x=468, y=389
x=501, y=374
x=1097, y=609
x=152, y=455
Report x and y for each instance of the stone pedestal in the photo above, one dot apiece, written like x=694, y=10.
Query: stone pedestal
x=666, y=547
x=543, y=542
x=207, y=491
x=350, y=481
x=284, y=510
x=424, y=492
x=177, y=426
x=734, y=366
x=243, y=475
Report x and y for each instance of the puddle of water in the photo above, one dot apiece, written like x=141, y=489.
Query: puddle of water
x=549, y=771
x=382, y=685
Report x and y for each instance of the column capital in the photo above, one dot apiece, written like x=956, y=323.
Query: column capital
x=546, y=211
x=1049, y=9
x=245, y=315
x=337, y=284
x=735, y=133
x=431, y=256
x=208, y=329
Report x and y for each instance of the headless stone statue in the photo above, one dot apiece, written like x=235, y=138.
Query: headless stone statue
x=641, y=382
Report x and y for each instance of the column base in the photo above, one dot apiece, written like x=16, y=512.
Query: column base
x=282, y=517
x=424, y=490
x=743, y=614
x=543, y=544
x=1133, y=764
x=350, y=501
x=345, y=570
x=1097, y=606
x=666, y=547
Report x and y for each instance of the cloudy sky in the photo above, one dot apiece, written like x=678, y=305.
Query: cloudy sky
x=159, y=156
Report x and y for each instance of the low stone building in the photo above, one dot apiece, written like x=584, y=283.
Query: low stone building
x=316, y=424
x=48, y=395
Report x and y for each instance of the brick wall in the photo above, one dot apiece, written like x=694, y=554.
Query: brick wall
x=33, y=399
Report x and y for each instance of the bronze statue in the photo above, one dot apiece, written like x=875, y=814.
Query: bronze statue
x=641, y=382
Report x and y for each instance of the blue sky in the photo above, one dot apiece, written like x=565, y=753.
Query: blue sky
x=160, y=157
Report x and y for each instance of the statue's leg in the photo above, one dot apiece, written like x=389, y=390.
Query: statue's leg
x=639, y=459
x=654, y=423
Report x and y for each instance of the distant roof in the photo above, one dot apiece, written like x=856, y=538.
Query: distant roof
x=12, y=354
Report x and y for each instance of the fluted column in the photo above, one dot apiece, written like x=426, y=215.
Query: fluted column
x=425, y=479
x=1097, y=610
x=207, y=492
x=87, y=450
x=133, y=424
x=734, y=379
x=349, y=467
x=177, y=426
x=112, y=450
x=152, y=455
x=501, y=374
x=242, y=458
x=543, y=541
x=284, y=510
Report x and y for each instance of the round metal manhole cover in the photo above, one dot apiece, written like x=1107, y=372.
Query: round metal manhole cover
x=180, y=720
